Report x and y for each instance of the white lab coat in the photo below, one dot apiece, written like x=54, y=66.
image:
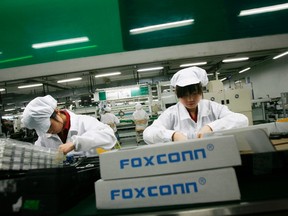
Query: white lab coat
x=110, y=119
x=177, y=118
x=138, y=117
x=140, y=114
x=85, y=132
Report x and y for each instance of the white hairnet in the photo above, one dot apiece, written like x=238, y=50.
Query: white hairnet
x=138, y=106
x=189, y=76
x=38, y=112
x=107, y=109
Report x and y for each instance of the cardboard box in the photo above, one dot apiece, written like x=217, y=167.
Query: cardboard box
x=166, y=158
x=186, y=188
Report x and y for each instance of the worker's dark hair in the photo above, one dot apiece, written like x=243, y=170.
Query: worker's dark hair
x=53, y=116
x=188, y=90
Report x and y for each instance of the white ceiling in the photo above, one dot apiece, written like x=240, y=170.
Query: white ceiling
x=258, y=49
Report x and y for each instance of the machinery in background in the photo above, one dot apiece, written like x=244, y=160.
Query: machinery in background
x=166, y=95
x=284, y=100
x=237, y=100
x=122, y=101
x=270, y=109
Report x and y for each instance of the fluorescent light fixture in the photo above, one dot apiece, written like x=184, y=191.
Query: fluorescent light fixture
x=30, y=86
x=108, y=74
x=150, y=69
x=211, y=74
x=7, y=110
x=60, y=42
x=193, y=64
x=0, y=53
x=223, y=79
x=69, y=80
x=2, y=89
x=235, y=59
x=279, y=56
x=264, y=9
x=246, y=69
x=161, y=26
x=16, y=59
x=76, y=49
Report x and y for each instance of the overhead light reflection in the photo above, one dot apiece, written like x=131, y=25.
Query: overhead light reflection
x=264, y=9
x=161, y=26
x=108, y=74
x=193, y=64
x=60, y=42
x=279, y=56
x=150, y=69
x=8, y=110
x=76, y=49
x=246, y=69
x=235, y=59
x=16, y=59
x=30, y=86
x=70, y=80
x=223, y=79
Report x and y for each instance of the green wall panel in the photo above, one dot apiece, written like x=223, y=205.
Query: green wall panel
x=107, y=24
x=24, y=22
x=214, y=21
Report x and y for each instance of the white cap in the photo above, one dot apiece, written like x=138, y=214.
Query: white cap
x=189, y=76
x=38, y=112
x=138, y=106
x=107, y=109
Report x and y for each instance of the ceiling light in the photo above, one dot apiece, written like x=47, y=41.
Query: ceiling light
x=16, y=59
x=30, y=86
x=76, y=49
x=223, y=79
x=161, y=26
x=0, y=53
x=7, y=110
x=108, y=74
x=246, y=69
x=212, y=74
x=60, y=42
x=193, y=64
x=235, y=59
x=70, y=80
x=278, y=56
x=264, y=9
x=150, y=69
x=2, y=89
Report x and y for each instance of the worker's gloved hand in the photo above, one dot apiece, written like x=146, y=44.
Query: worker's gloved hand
x=67, y=147
x=178, y=136
x=203, y=130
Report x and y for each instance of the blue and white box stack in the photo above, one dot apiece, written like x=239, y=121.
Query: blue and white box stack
x=190, y=172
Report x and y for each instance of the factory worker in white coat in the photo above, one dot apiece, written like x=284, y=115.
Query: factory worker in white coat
x=64, y=130
x=111, y=120
x=140, y=117
x=192, y=116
